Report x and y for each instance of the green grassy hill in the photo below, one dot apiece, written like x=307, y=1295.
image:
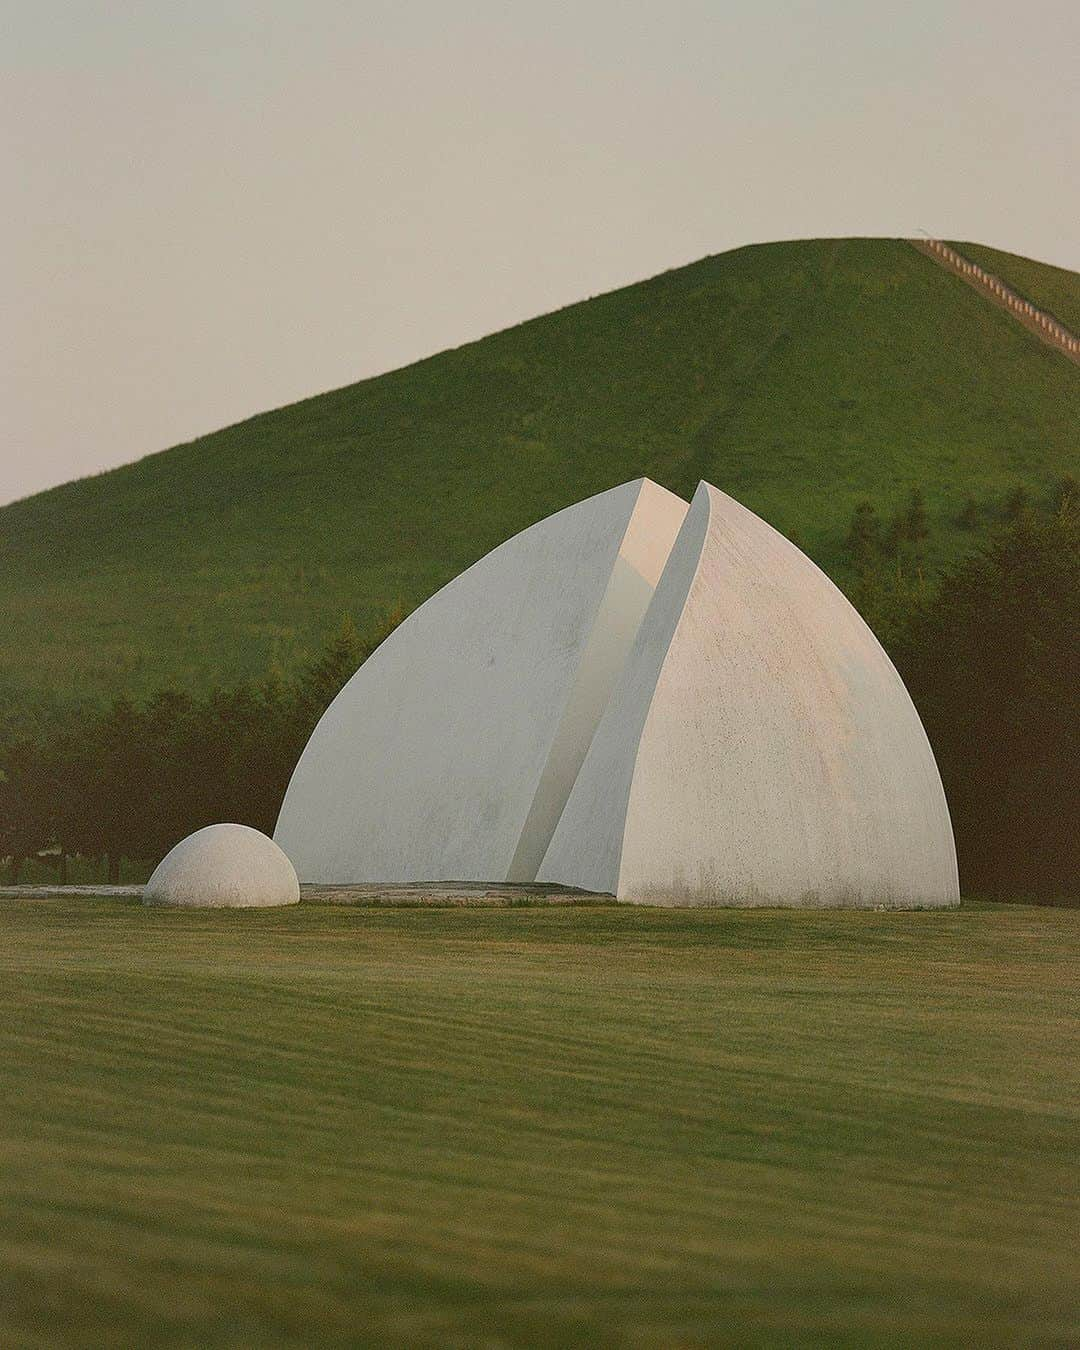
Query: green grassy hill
x=800, y=377
x=603, y=1127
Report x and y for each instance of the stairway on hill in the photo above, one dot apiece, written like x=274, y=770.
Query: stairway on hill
x=1042, y=324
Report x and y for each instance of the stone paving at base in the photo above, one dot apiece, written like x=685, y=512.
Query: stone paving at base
x=463, y=894
x=401, y=895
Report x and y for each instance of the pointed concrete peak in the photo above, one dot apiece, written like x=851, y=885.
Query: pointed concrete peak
x=650, y=486
x=712, y=493
x=723, y=507
x=452, y=750
x=758, y=747
x=652, y=529
x=653, y=486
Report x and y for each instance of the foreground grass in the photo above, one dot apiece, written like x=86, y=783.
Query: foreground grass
x=606, y=1126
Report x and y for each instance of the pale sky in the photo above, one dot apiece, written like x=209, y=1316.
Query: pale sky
x=214, y=207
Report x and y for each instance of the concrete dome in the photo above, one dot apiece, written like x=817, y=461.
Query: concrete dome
x=226, y=866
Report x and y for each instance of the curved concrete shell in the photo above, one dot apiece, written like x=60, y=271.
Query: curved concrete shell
x=223, y=866
x=450, y=754
x=759, y=748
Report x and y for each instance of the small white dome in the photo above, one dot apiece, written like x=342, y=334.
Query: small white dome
x=231, y=866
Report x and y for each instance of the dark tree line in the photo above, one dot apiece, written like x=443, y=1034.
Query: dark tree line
x=870, y=540
x=992, y=662
x=133, y=779
x=901, y=538
x=990, y=652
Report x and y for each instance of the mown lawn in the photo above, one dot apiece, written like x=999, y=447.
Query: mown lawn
x=600, y=1126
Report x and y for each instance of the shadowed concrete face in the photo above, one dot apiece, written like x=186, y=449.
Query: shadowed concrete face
x=640, y=562
x=451, y=752
x=760, y=748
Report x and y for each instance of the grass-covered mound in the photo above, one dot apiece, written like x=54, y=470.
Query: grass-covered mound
x=801, y=377
x=538, y=1127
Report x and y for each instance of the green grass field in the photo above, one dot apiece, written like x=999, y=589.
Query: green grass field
x=595, y=1126
x=800, y=377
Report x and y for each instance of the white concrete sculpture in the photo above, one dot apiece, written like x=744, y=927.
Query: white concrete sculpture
x=226, y=866
x=760, y=748
x=449, y=754
x=672, y=706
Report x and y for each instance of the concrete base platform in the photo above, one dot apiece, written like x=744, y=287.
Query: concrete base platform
x=394, y=895
x=458, y=894
x=69, y=892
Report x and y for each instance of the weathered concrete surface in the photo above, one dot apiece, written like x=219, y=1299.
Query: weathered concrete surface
x=224, y=866
x=760, y=748
x=451, y=752
x=392, y=895
x=450, y=895
x=58, y=892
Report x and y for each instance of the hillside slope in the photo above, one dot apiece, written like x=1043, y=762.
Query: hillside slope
x=800, y=377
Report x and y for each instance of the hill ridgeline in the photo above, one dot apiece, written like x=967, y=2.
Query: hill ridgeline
x=799, y=377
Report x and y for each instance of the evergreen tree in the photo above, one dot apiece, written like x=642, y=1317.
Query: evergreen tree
x=1017, y=502
x=76, y=781
x=324, y=676
x=892, y=542
x=25, y=806
x=1068, y=493
x=916, y=521
x=864, y=536
x=169, y=812
x=118, y=785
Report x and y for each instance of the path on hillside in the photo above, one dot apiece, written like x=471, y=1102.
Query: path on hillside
x=702, y=443
x=1042, y=324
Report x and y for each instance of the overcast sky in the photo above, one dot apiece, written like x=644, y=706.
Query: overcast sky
x=213, y=207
